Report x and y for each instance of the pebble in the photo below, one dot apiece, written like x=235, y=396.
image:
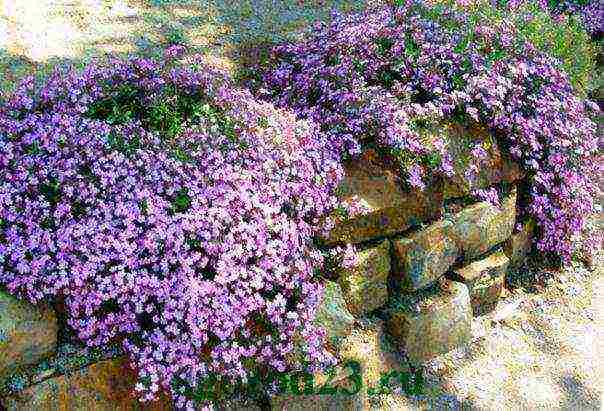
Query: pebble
x=573, y=290
x=506, y=311
x=121, y=9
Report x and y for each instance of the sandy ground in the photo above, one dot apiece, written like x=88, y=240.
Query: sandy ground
x=36, y=34
x=545, y=354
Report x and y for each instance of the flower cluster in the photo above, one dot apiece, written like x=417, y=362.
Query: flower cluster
x=383, y=77
x=173, y=213
x=590, y=13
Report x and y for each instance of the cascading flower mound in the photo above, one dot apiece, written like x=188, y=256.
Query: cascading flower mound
x=173, y=214
x=385, y=76
x=590, y=12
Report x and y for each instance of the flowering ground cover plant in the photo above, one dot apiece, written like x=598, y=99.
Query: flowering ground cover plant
x=590, y=12
x=563, y=37
x=173, y=213
x=389, y=77
x=569, y=31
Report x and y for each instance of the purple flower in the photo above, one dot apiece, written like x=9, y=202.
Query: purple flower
x=193, y=248
x=174, y=52
x=388, y=76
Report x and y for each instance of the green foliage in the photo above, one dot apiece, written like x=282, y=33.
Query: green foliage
x=125, y=145
x=51, y=191
x=15, y=383
x=168, y=115
x=557, y=3
x=166, y=118
x=175, y=34
x=122, y=107
x=567, y=41
x=181, y=202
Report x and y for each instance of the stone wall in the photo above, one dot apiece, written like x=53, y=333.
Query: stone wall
x=38, y=373
x=428, y=261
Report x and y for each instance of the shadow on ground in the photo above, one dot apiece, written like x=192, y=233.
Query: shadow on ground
x=221, y=30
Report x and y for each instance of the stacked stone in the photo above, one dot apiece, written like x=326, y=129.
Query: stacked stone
x=430, y=267
x=27, y=334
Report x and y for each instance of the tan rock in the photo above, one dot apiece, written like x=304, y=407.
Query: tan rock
x=368, y=347
x=335, y=402
x=507, y=312
x=485, y=280
x=382, y=207
x=107, y=385
x=237, y=405
x=424, y=257
x=481, y=226
x=333, y=315
x=433, y=321
x=495, y=168
x=365, y=286
x=28, y=333
x=519, y=245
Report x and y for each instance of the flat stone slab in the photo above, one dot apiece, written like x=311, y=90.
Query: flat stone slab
x=485, y=280
x=365, y=286
x=424, y=257
x=481, y=226
x=433, y=321
x=333, y=315
x=379, y=203
x=106, y=385
x=28, y=333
